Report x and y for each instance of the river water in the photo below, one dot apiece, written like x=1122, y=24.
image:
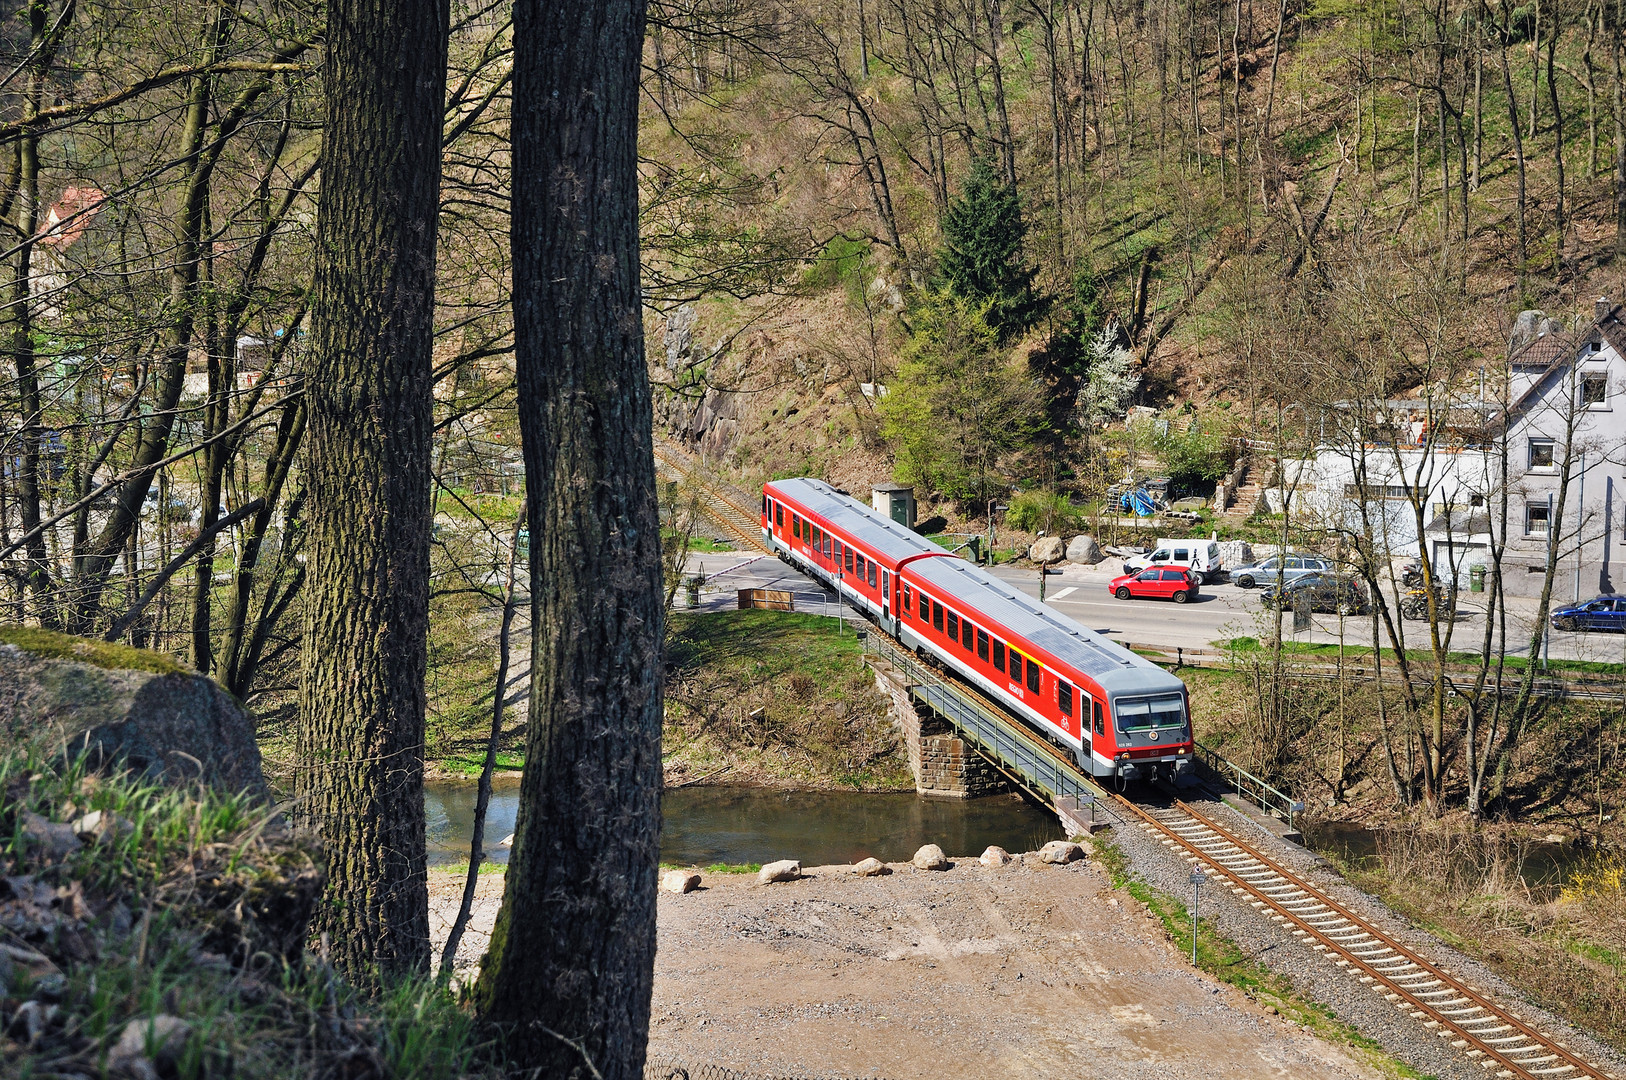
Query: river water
x=701, y=826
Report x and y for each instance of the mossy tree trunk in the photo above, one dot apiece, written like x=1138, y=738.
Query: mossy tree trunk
x=368, y=389
x=571, y=963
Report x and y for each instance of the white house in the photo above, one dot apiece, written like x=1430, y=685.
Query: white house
x=1565, y=416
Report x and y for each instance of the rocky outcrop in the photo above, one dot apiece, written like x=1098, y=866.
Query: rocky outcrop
x=124, y=709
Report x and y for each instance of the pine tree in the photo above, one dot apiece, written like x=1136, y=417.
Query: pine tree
x=981, y=258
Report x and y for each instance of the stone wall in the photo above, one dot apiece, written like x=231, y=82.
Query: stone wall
x=942, y=762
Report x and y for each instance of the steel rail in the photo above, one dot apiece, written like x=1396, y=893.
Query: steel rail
x=1495, y=1037
x=718, y=506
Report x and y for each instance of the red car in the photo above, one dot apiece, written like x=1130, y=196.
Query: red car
x=1164, y=583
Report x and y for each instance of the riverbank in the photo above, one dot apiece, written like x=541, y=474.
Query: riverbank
x=1027, y=970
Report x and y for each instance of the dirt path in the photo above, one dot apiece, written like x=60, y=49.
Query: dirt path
x=1024, y=971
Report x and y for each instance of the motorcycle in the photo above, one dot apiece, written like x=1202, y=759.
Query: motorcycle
x=1411, y=575
x=1414, y=605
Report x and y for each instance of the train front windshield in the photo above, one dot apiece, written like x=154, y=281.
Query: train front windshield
x=1164, y=711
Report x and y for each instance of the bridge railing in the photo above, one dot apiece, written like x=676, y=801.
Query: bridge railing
x=1001, y=739
x=1271, y=800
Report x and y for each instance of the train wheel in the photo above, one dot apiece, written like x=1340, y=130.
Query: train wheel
x=1123, y=592
x=1180, y=596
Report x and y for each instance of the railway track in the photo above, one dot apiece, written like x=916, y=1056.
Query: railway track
x=717, y=504
x=1499, y=1040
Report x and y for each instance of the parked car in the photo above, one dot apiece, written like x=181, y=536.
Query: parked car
x=1202, y=557
x=1337, y=594
x=1599, y=613
x=1280, y=567
x=1172, y=583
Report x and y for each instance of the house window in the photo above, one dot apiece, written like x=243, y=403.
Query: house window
x=1594, y=388
x=1541, y=454
x=1535, y=518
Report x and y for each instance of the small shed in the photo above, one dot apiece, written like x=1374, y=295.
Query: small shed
x=896, y=501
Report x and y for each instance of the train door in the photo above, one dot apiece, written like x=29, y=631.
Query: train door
x=1097, y=734
x=886, y=603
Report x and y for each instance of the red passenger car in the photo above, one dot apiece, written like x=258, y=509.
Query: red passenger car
x=1119, y=714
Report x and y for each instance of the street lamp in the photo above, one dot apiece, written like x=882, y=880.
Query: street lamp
x=1197, y=880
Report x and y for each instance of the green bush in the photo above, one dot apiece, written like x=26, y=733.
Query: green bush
x=1050, y=511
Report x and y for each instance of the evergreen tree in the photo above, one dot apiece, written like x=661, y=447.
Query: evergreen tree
x=981, y=258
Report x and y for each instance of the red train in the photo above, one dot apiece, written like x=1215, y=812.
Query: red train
x=1118, y=713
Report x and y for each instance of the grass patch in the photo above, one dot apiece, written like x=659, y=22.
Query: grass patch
x=734, y=868
x=461, y=869
x=102, y=654
x=472, y=763
x=193, y=905
x=1220, y=957
x=779, y=698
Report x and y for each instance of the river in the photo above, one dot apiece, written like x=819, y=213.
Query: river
x=701, y=826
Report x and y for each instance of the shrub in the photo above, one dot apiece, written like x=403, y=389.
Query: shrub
x=1050, y=511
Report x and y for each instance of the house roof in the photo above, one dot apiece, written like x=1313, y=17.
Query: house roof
x=70, y=216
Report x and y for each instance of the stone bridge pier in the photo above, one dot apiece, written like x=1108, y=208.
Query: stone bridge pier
x=942, y=762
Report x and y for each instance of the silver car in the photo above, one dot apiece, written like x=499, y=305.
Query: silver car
x=1280, y=568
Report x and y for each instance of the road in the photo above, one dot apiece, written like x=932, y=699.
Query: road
x=1222, y=611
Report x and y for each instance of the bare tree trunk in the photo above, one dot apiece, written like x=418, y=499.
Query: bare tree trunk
x=1518, y=161
x=571, y=965
x=360, y=777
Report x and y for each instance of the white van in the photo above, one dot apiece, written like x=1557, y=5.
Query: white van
x=1201, y=557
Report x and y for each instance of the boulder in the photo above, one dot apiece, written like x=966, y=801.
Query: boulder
x=1084, y=549
x=680, y=881
x=123, y=708
x=1060, y=852
x=931, y=857
x=871, y=867
x=1047, y=549
x=995, y=856
x=783, y=870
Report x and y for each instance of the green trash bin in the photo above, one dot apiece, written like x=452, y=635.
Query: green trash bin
x=1476, y=579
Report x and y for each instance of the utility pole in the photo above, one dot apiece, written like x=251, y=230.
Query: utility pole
x=1197, y=880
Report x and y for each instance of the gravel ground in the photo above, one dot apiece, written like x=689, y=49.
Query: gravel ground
x=1023, y=971
x=1317, y=978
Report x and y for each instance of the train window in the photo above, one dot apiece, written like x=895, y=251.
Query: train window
x=1064, y=696
x=849, y=560
x=767, y=507
x=908, y=595
x=779, y=514
x=796, y=526
x=1033, y=676
x=860, y=569
x=872, y=574
x=953, y=626
x=1100, y=719
x=982, y=646
x=965, y=634
x=937, y=617
x=1016, y=666
x=999, y=655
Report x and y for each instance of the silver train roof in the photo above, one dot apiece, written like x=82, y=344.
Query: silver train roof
x=1116, y=668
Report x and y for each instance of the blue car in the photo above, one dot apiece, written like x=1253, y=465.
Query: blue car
x=1599, y=613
